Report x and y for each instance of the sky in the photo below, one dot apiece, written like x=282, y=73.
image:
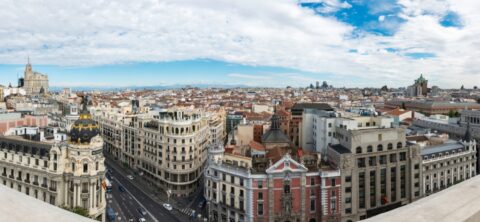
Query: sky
x=352, y=43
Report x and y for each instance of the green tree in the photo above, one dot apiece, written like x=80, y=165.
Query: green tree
x=451, y=113
x=78, y=210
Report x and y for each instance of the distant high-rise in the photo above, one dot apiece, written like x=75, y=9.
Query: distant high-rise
x=33, y=82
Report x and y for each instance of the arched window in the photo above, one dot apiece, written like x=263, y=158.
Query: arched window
x=369, y=148
x=359, y=149
x=85, y=167
x=380, y=147
x=399, y=145
x=390, y=146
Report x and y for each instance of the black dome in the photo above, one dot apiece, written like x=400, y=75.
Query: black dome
x=84, y=129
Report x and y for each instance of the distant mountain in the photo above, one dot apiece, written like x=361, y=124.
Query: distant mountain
x=159, y=87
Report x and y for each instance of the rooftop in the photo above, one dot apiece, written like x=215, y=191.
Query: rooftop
x=16, y=206
x=457, y=203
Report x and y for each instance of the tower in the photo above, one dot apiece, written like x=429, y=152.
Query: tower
x=87, y=169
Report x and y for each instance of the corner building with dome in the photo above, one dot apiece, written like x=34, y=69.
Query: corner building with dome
x=63, y=169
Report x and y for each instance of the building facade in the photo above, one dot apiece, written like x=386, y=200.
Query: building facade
x=447, y=164
x=169, y=146
x=379, y=170
x=63, y=173
x=270, y=182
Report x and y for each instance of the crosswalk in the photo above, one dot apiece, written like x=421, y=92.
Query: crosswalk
x=187, y=211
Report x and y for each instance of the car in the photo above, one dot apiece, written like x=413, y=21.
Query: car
x=141, y=219
x=201, y=204
x=168, y=206
x=130, y=177
x=121, y=188
x=142, y=211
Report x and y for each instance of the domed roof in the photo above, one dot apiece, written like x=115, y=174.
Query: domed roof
x=85, y=128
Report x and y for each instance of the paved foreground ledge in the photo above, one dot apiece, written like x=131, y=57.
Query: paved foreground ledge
x=459, y=203
x=18, y=207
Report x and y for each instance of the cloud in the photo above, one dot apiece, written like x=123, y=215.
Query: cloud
x=275, y=33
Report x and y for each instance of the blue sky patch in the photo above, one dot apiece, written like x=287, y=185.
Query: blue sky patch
x=451, y=19
x=420, y=55
x=374, y=16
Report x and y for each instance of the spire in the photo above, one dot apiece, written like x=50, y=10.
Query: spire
x=468, y=133
x=84, y=104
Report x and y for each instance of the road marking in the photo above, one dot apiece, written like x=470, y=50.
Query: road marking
x=151, y=215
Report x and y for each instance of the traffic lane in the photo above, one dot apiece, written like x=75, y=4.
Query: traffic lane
x=116, y=207
x=128, y=206
x=153, y=207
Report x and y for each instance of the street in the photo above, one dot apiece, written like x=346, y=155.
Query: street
x=126, y=203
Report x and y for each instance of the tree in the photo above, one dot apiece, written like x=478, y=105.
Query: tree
x=384, y=88
x=475, y=87
x=462, y=88
x=78, y=210
x=451, y=113
x=311, y=86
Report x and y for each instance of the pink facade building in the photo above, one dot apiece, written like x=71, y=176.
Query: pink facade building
x=12, y=120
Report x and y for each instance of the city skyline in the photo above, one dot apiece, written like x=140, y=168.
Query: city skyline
x=346, y=43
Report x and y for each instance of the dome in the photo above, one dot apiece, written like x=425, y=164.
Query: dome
x=85, y=128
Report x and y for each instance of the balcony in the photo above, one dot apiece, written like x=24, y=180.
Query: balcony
x=19, y=178
x=27, y=181
x=35, y=183
x=4, y=174
x=54, y=189
x=44, y=185
x=11, y=176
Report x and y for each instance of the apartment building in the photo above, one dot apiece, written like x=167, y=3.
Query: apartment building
x=168, y=146
x=379, y=170
x=445, y=162
x=67, y=173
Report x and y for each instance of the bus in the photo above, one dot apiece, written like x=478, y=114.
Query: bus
x=108, y=185
x=110, y=215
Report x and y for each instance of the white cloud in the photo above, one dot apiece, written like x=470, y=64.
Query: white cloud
x=381, y=18
x=252, y=32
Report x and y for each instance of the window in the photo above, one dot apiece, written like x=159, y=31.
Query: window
x=380, y=147
x=399, y=145
x=260, y=209
x=332, y=182
x=369, y=149
x=85, y=167
x=390, y=146
x=348, y=179
x=312, y=205
x=260, y=196
x=73, y=166
x=348, y=189
x=286, y=187
x=359, y=149
x=260, y=184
